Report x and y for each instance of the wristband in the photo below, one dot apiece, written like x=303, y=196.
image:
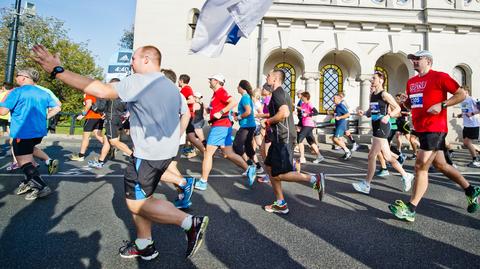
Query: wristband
x=444, y=105
x=84, y=113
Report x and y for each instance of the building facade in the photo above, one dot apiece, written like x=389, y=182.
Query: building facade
x=325, y=46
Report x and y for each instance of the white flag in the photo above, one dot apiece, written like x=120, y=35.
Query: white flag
x=222, y=21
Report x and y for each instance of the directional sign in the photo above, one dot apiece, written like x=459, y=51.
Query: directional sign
x=119, y=64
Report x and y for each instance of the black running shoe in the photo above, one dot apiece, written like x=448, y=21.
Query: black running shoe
x=130, y=250
x=196, y=234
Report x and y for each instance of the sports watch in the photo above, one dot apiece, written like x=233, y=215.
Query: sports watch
x=444, y=105
x=56, y=70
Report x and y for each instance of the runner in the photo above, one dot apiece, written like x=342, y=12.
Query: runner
x=5, y=119
x=221, y=133
x=380, y=101
x=150, y=98
x=427, y=94
x=187, y=91
x=341, y=125
x=279, y=161
x=198, y=120
x=30, y=108
x=471, y=126
x=306, y=129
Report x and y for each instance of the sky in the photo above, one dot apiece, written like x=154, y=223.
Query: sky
x=98, y=22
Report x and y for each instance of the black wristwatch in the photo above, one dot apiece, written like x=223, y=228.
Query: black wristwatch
x=56, y=70
x=444, y=105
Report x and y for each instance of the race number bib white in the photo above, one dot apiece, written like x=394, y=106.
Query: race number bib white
x=416, y=100
x=374, y=107
x=465, y=108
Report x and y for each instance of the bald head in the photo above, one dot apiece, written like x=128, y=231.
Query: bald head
x=152, y=53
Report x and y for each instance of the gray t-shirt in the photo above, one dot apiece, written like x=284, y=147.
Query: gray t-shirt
x=154, y=126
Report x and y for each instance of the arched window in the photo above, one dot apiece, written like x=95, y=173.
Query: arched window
x=385, y=75
x=290, y=77
x=460, y=75
x=192, y=24
x=331, y=83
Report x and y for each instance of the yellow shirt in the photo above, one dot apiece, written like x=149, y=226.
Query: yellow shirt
x=3, y=95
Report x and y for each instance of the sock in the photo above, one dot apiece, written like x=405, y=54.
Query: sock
x=281, y=202
x=258, y=165
x=347, y=150
x=183, y=183
x=142, y=243
x=470, y=190
x=81, y=155
x=384, y=168
x=250, y=162
x=47, y=162
x=31, y=172
x=187, y=223
x=313, y=179
x=411, y=207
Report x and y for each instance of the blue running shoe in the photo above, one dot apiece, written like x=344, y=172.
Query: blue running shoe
x=182, y=205
x=188, y=190
x=401, y=159
x=251, y=174
x=200, y=185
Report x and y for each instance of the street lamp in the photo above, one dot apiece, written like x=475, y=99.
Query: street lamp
x=28, y=11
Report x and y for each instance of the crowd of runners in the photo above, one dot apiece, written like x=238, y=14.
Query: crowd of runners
x=264, y=145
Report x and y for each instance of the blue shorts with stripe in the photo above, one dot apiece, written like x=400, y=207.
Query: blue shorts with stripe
x=142, y=177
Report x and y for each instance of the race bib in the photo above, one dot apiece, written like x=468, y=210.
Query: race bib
x=464, y=108
x=416, y=100
x=374, y=107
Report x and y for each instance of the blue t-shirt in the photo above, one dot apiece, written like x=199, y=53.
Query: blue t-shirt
x=340, y=110
x=248, y=121
x=28, y=107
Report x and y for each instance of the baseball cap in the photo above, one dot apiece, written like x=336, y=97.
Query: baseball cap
x=218, y=77
x=198, y=94
x=420, y=53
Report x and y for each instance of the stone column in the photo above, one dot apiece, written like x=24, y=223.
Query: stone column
x=364, y=125
x=311, y=86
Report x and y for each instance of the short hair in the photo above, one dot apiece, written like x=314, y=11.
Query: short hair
x=185, y=78
x=306, y=95
x=169, y=74
x=7, y=85
x=341, y=95
x=380, y=75
x=280, y=73
x=153, y=53
x=114, y=80
x=31, y=73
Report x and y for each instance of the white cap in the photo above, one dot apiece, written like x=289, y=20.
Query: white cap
x=218, y=77
x=421, y=53
x=198, y=94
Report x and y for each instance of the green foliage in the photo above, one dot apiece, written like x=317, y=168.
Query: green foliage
x=126, y=41
x=51, y=33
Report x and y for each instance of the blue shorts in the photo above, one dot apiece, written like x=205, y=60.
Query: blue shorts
x=340, y=129
x=220, y=136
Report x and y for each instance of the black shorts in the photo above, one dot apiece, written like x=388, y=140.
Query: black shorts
x=199, y=124
x=471, y=132
x=142, y=177
x=380, y=129
x=126, y=125
x=432, y=141
x=190, y=127
x=112, y=127
x=4, y=124
x=280, y=158
x=25, y=146
x=306, y=132
x=93, y=124
x=404, y=127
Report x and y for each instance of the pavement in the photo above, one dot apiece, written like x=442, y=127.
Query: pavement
x=82, y=224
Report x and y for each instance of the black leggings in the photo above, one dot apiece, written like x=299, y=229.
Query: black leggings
x=243, y=142
x=306, y=132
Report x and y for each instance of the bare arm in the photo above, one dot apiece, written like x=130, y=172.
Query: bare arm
x=282, y=113
x=184, y=119
x=191, y=100
x=4, y=111
x=457, y=97
x=53, y=111
x=395, y=108
x=231, y=103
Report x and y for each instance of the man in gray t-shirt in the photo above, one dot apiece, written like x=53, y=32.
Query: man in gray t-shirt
x=153, y=102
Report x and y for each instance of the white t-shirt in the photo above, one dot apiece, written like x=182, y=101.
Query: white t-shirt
x=469, y=106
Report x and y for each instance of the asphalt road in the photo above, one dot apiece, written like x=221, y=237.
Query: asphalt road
x=82, y=224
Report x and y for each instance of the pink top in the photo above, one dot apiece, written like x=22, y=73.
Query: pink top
x=266, y=101
x=307, y=111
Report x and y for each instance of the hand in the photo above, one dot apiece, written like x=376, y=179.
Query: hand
x=337, y=118
x=385, y=119
x=360, y=113
x=80, y=117
x=435, y=109
x=470, y=114
x=217, y=115
x=43, y=57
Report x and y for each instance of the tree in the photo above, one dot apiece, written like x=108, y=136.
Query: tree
x=51, y=33
x=126, y=41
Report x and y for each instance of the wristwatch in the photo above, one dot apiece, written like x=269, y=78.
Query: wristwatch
x=56, y=70
x=444, y=105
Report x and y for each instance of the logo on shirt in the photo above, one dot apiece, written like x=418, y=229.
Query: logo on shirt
x=418, y=86
x=374, y=107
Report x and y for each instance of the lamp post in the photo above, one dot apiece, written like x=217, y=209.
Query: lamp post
x=12, y=46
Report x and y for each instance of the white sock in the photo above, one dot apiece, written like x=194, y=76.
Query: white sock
x=313, y=179
x=142, y=243
x=187, y=223
x=47, y=162
x=203, y=180
x=347, y=151
x=182, y=183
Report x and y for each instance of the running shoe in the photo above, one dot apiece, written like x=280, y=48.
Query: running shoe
x=264, y=179
x=362, y=187
x=12, y=166
x=473, y=201
x=251, y=174
x=130, y=250
x=407, y=181
x=188, y=190
x=180, y=204
x=303, y=160
x=76, y=157
x=401, y=159
x=23, y=188
x=96, y=164
x=319, y=185
x=276, y=208
x=53, y=166
x=38, y=193
x=382, y=173
x=412, y=157
x=355, y=146
x=474, y=164
x=260, y=170
x=196, y=234
x=347, y=155
x=401, y=211
x=200, y=185
x=319, y=159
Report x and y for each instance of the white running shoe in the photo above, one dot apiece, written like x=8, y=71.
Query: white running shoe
x=407, y=182
x=474, y=164
x=355, y=147
x=303, y=160
x=362, y=187
x=319, y=159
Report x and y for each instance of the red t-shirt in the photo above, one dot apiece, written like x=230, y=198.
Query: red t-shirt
x=187, y=92
x=219, y=101
x=426, y=91
x=91, y=114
